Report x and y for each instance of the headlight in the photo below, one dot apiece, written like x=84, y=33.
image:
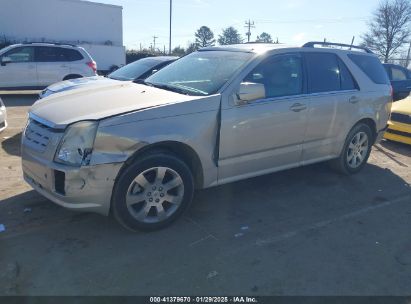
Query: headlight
x=77, y=144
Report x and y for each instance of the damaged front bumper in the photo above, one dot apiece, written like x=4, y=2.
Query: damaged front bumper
x=87, y=188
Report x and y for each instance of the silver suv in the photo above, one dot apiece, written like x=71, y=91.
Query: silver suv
x=37, y=65
x=222, y=114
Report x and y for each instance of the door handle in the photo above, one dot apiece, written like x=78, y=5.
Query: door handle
x=297, y=107
x=354, y=99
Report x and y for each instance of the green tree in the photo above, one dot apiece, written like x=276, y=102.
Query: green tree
x=204, y=37
x=178, y=51
x=389, y=28
x=264, y=37
x=229, y=36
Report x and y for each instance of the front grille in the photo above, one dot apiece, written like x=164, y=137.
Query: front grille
x=405, y=134
x=38, y=135
x=403, y=118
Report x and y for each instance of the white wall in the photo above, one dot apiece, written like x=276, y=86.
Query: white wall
x=106, y=56
x=73, y=21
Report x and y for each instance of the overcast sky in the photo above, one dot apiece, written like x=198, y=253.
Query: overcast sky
x=292, y=21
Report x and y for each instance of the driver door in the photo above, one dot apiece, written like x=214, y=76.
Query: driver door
x=266, y=134
x=21, y=71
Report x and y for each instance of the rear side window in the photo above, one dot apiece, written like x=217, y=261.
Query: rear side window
x=71, y=55
x=347, y=81
x=56, y=54
x=372, y=67
x=323, y=72
x=398, y=74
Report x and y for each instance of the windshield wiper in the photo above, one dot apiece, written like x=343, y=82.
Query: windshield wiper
x=167, y=87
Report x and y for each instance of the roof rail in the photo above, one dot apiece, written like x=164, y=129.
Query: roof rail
x=312, y=44
x=45, y=42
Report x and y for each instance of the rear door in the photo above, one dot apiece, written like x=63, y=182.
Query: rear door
x=334, y=97
x=266, y=134
x=21, y=72
x=52, y=65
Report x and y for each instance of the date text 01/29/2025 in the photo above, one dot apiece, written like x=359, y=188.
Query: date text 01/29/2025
x=203, y=300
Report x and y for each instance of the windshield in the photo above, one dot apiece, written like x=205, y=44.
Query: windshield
x=200, y=73
x=135, y=69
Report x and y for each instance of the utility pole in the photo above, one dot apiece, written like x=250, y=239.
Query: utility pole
x=249, y=25
x=171, y=14
x=154, y=43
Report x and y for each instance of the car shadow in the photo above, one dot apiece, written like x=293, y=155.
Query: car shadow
x=397, y=147
x=18, y=100
x=300, y=195
x=11, y=145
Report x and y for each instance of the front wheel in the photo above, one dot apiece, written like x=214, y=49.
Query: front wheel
x=357, y=149
x=152, y=192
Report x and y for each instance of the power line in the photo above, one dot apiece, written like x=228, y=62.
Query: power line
x=249, y=25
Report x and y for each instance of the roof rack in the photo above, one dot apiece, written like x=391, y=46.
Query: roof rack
x=45, y=42
x=312, y=44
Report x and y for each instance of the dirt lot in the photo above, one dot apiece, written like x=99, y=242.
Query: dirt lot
x=306, y=231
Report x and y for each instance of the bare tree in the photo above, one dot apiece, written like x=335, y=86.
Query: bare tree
x=389, y=28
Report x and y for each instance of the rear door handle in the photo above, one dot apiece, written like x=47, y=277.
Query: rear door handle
x=297, y=107
x=354, y=99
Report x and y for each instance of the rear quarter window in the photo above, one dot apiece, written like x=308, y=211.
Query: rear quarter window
x=372, y=67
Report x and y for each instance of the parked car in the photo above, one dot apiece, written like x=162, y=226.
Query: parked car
x=37, y=65
x=400, y=78
x=139, y=69
x=399, y=125
x=3, y=116
x=218, y=115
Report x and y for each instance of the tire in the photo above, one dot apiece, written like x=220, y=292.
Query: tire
x=356, y=151
x=152, y=192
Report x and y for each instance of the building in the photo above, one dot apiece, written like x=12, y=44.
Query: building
x=95, y=26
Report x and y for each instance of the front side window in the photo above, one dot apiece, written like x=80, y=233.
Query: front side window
x=21, y=54
x=398, y=74
x=281, y=75
x=200, y=73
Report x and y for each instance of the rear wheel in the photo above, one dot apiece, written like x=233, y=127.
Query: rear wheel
x=357, y=149
x=152, y=192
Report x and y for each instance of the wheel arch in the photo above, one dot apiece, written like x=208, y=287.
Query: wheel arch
x=371, y=124
x=179, y=149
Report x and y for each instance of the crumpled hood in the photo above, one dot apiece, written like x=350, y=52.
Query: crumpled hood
x=97, y=102
x=402, y=106
x=79, y=82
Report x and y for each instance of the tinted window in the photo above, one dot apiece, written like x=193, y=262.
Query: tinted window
x=398, y=74
x=280, y=75
x=21, y=54
x=372, y=67
x=347, y=81
x=68, y=54
x=46, y=54
x=56, y=54
x=135, y=69
x=323, y=72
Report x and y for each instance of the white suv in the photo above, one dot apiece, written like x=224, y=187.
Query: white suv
x=37, y=65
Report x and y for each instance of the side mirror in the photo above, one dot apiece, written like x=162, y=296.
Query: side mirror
x=250, y=91
x=5, y=60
